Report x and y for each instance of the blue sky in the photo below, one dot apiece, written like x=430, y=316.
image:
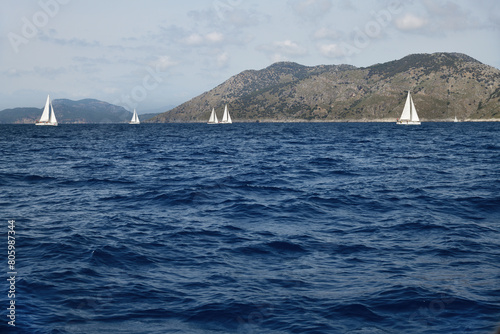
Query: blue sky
x=151, y=54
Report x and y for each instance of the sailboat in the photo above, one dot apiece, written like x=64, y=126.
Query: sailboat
x=409, y=115
x=48, y=116
x=455, y=120
x=213, y=118
x=135, y=119
x=226, y=118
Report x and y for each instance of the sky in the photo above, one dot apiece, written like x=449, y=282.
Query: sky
x=155, y=54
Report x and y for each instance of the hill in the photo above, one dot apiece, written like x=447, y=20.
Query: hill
x=443, y=85
x=68, y=111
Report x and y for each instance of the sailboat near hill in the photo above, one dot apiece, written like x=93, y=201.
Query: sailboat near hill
x=135, y=119
x=48, y=115
x=226, y=118
x=213, y=118
x=409, y=115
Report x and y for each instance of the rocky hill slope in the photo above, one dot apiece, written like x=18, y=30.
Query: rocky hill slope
x=443, y=85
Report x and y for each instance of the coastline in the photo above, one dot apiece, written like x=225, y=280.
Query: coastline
x=384, y=120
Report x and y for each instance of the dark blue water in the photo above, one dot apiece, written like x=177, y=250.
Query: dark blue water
x=253, y=228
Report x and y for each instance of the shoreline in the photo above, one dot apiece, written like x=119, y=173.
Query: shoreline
x=337, y=121
x=489, y=120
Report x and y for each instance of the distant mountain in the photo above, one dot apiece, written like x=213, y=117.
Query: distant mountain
x=68, y=111
x=443, y=85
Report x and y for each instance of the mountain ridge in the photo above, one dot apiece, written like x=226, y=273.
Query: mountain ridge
x=69, y=111
x=443, y=85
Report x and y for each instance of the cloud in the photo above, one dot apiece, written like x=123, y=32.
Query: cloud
x=346, y=5
x=326, y=33
x=13, y=73
x=282, y=50
x=494, y=18
x=332, y=50
x=38, y=71
x=214, y=37
x=448, y=16
x=162, y=63
x=195, y=39
x=222, y=60
x=310, y=9
x=228, y=14
x=410, y=22
x=290, y=48
x=72, y=42
x=442, y=17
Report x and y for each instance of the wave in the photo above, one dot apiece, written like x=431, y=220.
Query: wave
x=254, y=228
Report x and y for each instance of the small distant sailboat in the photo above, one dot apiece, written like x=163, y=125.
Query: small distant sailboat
x=213, y=118
x=409, y=115
x=48, y=115
x=135, y=118
x=226, y=118
x=455, y=120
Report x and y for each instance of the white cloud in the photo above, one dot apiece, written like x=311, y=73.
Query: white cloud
x=278, y=58
x=214, y=37
x=410, y=22
x=290, y=48
x=193, y=39
x=282, y=50
x=332, y=50
x=162, y=63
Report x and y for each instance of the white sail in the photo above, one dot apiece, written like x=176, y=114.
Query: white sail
x=53, y=119
x=226, y=118
x=405, y=116
x=135, y=118
x=409, y=115
x=48, y=116
x=213, y=117
x=413, y=116
x=46, y=111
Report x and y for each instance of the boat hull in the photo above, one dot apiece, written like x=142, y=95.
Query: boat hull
x=46, y=124
x=408, y=123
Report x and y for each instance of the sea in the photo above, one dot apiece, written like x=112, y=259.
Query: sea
x=251, y=228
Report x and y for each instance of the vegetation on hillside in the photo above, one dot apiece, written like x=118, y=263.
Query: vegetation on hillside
x=443, y=85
